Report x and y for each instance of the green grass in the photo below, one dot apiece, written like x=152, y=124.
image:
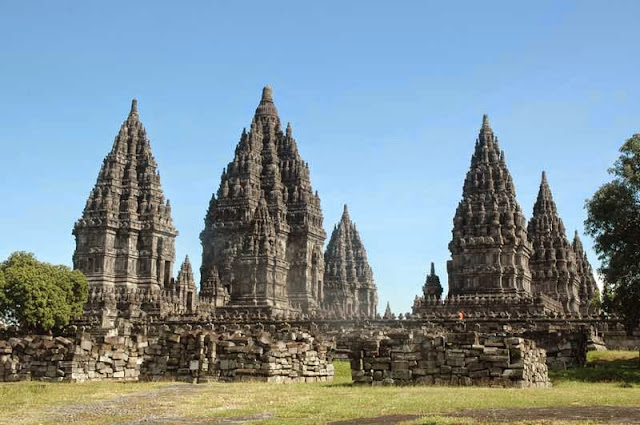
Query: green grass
x=611, y=378
x=622, y=367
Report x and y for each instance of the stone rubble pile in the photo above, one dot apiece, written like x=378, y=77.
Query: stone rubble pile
x=173, y=354
x=295, y=357
x=404, y=357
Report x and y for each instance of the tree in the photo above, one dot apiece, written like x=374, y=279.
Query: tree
x=613, y=219
x=39, y=296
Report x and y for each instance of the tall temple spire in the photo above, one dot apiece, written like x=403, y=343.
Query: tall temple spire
x=350, y=290
x=489, y=228
x=266, y=170
x=553, y=263
x=588, y=287
x=125, y=237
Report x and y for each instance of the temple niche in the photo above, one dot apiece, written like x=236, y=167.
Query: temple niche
x=263, y=236
x=350, y=291
x=125, y=239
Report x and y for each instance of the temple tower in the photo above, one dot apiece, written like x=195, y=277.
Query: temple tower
x=183, y=289
x=432, y=287
x=489, y=250
x=212, y=293
x=263, y=231
x=388, y=314
x=588, y=287
x=350, y=290
x=125, y=237
x=553, y=262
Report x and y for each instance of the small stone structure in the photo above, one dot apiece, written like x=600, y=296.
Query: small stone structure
x=175, y=354
x=466, y=359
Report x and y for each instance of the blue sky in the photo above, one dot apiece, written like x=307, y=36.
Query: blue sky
x=385, y=101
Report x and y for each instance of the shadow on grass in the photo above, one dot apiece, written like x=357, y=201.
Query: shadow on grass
x=339, y=385
x=625, y=371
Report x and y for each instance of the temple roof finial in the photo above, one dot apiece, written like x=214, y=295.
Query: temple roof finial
x=485, y=122
x=134, y=107
x=433, y=269
x=345, y=212
x=267, y=94
x=266, y=108
x=545, y=190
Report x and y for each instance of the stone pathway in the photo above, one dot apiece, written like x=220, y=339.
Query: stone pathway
x=140, y=405
x=125, y=405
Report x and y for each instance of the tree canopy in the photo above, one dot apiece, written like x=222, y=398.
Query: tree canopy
x=614, y=221
x=38, y=296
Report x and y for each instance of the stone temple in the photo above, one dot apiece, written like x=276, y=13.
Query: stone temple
x=349, y=287
x=553, y=263
x=263, y=238
x=125, y=237
x=263, y=232
x=499, y=265
x=262, y=244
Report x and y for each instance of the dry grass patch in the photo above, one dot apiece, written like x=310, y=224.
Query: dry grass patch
x=325, y=402
x=29, y=402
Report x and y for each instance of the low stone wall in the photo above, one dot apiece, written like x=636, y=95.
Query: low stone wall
x=565, y=349
x=619, y=340
x=566, y=345
x=170, y=354
x=459, y=359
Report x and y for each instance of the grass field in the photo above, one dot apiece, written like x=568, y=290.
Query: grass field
x=611, y=379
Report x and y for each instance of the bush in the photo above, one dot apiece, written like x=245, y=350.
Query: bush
x=39, y=296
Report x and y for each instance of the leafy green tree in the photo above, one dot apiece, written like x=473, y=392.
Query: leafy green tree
x=614, y=221
x=40, y=296
x=2, y=298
